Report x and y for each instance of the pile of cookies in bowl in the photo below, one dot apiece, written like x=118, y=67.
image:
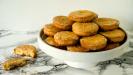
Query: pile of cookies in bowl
x=82, y=39
x=84, y=31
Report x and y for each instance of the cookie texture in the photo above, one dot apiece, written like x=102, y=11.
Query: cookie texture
x=85, y=29
x=116, y=35
x=13, y=63
x=51, y=41
x=62, y=22
x=82, y=16
x=107, y=23
x=77, y=49
x=65, y=38
x=95, y=42
x=50, y=30
x=26, y=50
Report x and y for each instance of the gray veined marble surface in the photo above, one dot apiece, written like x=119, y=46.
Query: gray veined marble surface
x=46, y=65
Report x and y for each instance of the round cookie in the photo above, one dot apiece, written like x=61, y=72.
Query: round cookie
x=14, y=63
x=65, y=38
x=77, y=49
x=62, y=22
x=82, y=16
x=50, y=30
x=51, y=41
x=95, y=42
x=85, y=29
x=26, y=50
x=107, y=23
x=116, y=35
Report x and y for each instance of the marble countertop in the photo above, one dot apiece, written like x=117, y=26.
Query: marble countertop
x=46, y=65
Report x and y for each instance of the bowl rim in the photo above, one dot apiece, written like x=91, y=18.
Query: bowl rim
x=62, y=50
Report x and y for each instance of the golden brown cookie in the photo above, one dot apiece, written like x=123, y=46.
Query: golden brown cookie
x=82, y=16
x=77, y=49
x=26, y=50
x=50, y=30
x=62, y=22
x=13, y=63
x=51, y=41
x=65, y=38
x=85, y=29
x=107, y=23
x=95, y=42
x=116, y=35
x=111, y=46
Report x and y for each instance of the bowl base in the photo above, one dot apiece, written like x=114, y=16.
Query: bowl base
x=86, y=66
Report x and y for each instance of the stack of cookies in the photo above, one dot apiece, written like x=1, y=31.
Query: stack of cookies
x=83, y=31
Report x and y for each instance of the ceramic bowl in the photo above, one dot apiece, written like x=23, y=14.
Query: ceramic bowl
x=85, y=60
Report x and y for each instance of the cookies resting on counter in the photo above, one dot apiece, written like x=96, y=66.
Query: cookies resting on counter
x=22, y=50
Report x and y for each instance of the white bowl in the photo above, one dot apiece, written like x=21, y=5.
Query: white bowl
x=81, y=60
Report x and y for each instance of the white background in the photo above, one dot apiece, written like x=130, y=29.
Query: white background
x=32, y=14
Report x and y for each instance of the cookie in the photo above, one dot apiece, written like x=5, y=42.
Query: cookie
x=62, y=22
x=107, y=23
x=13, y=63
x=82, y=16
x=111, y=46
x=51, y=41
x=94, y=43
x=26, y=50
x=85, y=29
x=77, y=49
x=116, y=35
x=65, y=38
x=50, y=30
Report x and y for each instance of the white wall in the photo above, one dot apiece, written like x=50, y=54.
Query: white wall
x=31, y=14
